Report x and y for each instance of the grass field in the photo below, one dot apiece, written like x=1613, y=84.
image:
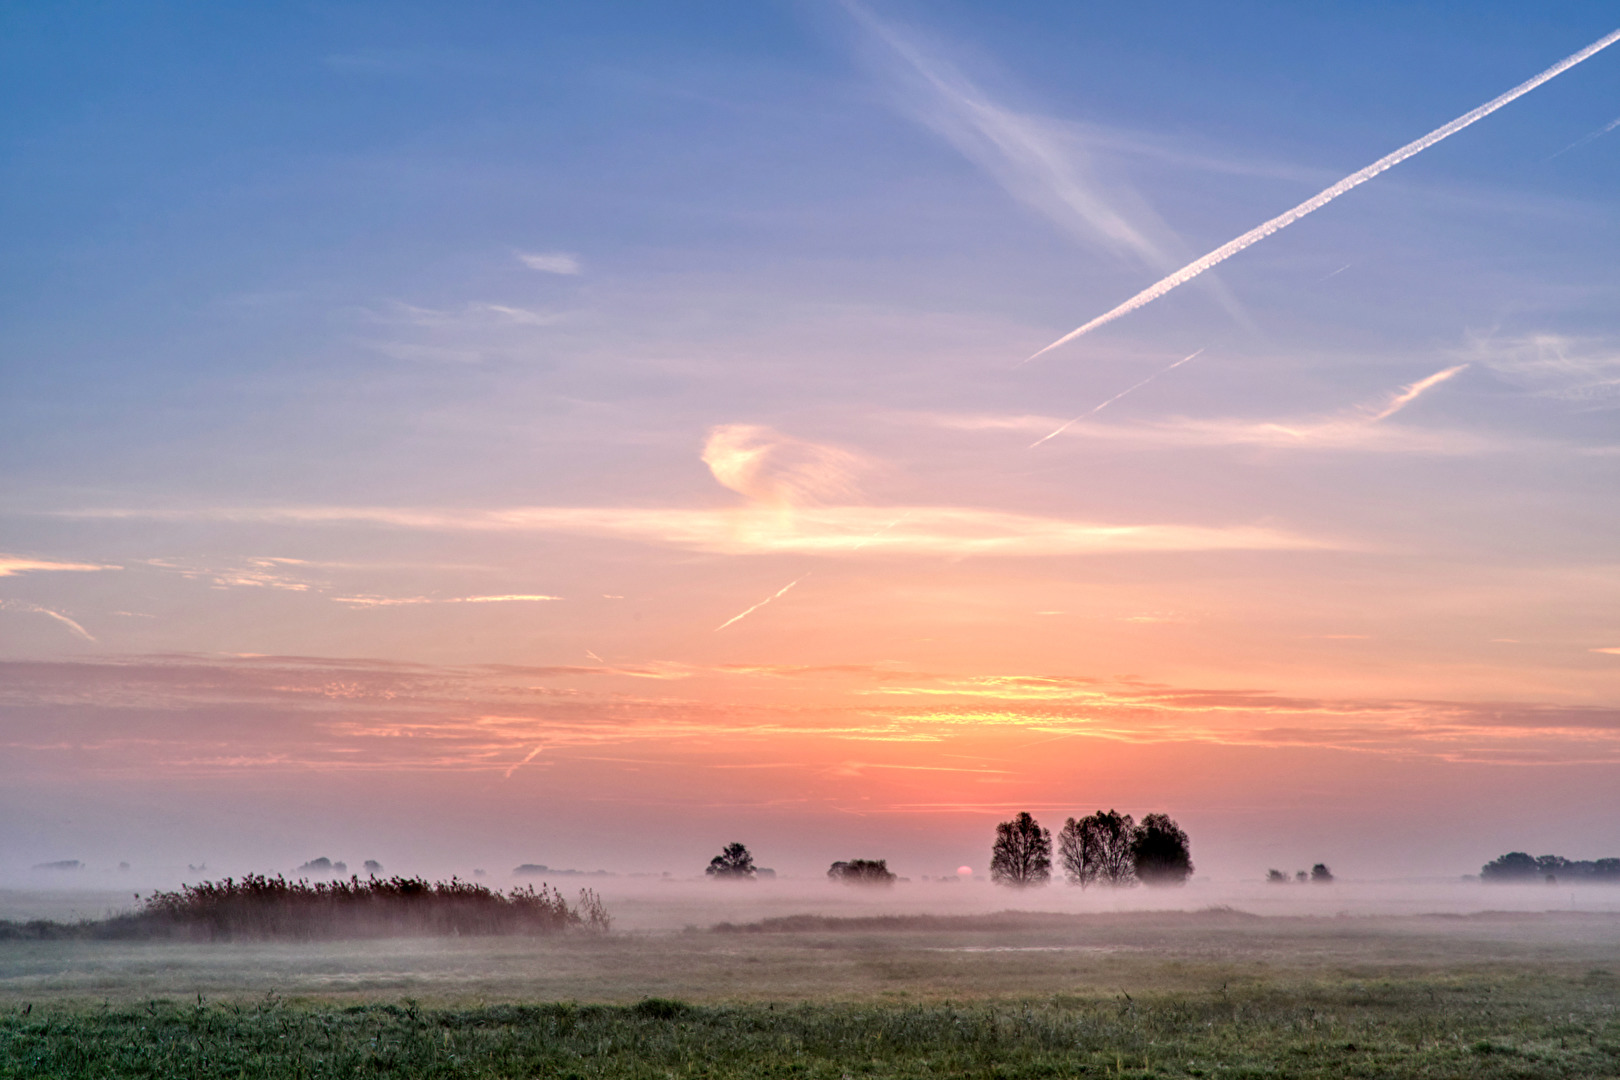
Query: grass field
x=1212, y=993
x=1426, y=1027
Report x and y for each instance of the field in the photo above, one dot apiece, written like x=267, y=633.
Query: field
x=1011, y=994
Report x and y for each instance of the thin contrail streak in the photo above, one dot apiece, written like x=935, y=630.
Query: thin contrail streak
x=1110, y=401
x=1410, y=394
x=1335, y=273
x=761, y=604
x=807, y=573
x=1316, y=202
x=18, y=605
x=880, y=532
x=69, y=623
x=532, y=755
x=1584, y=139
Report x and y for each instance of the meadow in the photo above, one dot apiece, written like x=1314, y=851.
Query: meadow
x=1009, y=994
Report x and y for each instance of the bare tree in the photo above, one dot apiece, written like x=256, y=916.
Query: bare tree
x=1022, y=853
x=1097, y=850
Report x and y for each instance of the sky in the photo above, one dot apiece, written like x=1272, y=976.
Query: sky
x=589, y=434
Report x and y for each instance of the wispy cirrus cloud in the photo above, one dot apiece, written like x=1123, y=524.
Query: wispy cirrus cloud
x=396, y=601
x=27, y=564
x=1058, y=168
x=476, y=315
x=818, y=530
x=1305, y=434
x=1408, y=394
x=776, y=470
x=1359, y=429
x=467, y=333
x=71, y=624
x=162, y=715
x=1583, y=371
x=1040, y=162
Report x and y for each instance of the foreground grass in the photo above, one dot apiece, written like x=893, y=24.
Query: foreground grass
x=1526, y=1026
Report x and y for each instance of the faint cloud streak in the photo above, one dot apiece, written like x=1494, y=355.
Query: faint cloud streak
x=35, y=609
x=23, y=564
x=829, y=530
x=1411, y=393
x=551, y=262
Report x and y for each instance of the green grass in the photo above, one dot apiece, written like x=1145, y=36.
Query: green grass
x=1519, y=1026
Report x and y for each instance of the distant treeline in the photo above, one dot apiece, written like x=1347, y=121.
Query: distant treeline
x=1519, y=866
x=530, y=869
x=264, y=908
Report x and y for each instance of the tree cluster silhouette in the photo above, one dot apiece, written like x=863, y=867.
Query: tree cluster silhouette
x=1106, y=848
x=862, y=872
x=735, y=863
x=1518, y=866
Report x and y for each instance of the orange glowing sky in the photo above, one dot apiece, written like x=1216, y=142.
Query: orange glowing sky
x=567, y=437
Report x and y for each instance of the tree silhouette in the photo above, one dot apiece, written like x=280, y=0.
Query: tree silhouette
x=1514, y=866
x=862, y=872
x=1276, y=877
x=1321, y=874
x=1160, y=852
x=733, y=862
x=1022, y=853
x=1096, y=850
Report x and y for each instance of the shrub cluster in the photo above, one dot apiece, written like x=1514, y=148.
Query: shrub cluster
x=862, y=872
x=259, y=907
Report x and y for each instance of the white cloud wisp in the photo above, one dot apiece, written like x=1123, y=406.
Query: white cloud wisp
x=551, y=262
x=831, y=531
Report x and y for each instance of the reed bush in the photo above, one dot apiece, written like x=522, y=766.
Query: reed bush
x=260, y=907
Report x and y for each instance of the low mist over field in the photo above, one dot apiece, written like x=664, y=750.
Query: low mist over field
x=673, y=904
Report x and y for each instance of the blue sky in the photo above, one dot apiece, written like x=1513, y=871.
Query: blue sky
x=530, y=334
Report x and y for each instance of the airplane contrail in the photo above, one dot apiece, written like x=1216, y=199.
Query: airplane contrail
x=532, y=755
x=761, y=604
x=1409, y=394
x=807, y=573
x=69, y=623
x=1316, y=202
x=1584, y=139
x=1110, y=401
x=18, y=605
